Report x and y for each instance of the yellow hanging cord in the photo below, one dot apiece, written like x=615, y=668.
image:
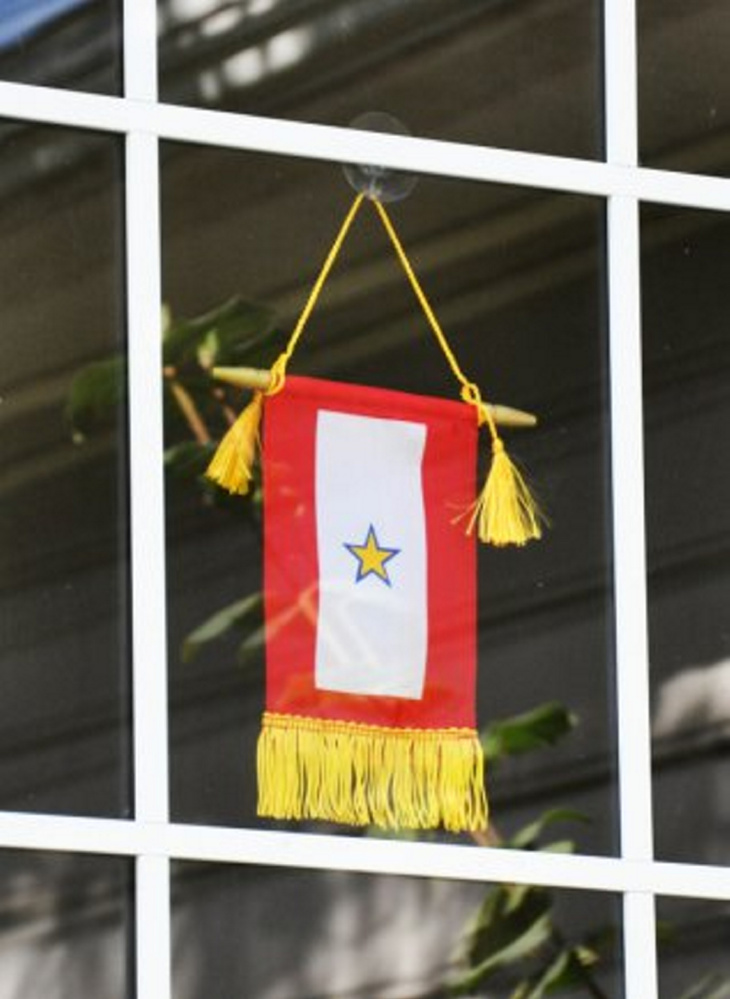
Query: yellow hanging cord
x=504, y=513
x=278, y=369
x=232, y=464
x=469, y=391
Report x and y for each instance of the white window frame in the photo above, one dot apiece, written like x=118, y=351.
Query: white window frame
x=150, y=837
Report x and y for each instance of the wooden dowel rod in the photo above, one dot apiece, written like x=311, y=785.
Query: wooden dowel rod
x=256, y=379
x=259, y=379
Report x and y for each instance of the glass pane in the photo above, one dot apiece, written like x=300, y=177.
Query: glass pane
x=684, y=90
x=500, y=74
x=63, y=571
x=694, y=951
x=66, y=926
x=515, y=277
x=287, y=934
x=685, y=307
x=74, y=44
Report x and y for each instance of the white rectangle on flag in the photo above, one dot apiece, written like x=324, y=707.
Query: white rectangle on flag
x=372, y=626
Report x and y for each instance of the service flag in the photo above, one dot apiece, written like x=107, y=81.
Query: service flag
x=370, y=608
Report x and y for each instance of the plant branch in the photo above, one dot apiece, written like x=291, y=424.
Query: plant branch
x=591, y=985
x=230, y=415
x=188, y=408
x=487, y=837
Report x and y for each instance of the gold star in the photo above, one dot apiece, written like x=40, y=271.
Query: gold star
x=372, y=557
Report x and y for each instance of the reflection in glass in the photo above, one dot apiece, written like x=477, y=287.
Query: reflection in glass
x=74, y=44
x=515, y=279
x=64, y=926
x=288, y=934
x=686, y=358
x=519, y=75
x=694, y=952
x=684, y=89
x=63, y=530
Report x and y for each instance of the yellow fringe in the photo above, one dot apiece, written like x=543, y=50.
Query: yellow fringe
x=232, y=464
x=311, y=768
x=505, y=512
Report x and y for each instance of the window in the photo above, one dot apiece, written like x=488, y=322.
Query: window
x=569, y=225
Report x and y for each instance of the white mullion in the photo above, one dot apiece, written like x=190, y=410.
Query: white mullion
x=627, y=462
x=630, y=598
x=269, y=848
x=151, y=790
x=146, y=475
x=627, y=453
x=140, y=50
x=639, y=939
x=685, y=190
x=338, y=145
x=621, y=92
x=149, y=636
x=342, y=145
x=632, y=657
x=146, y=480
x=152, y=928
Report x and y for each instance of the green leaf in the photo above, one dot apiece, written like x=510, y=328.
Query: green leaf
x=237, y=332
x=565, y=971
x=95, y=396
x=713, y=986
x=510, y=925
x=586, y=956
x=252, y=643
x=241, y=614
x=527, y=837
x=517, y=947
x=550, y=978
x=559, y=846
x=543, y=726
x=249, y=344
x=516, y=896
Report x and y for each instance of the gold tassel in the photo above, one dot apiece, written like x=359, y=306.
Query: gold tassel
x=505, y=513
x=312, y=768
x=232, y=464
